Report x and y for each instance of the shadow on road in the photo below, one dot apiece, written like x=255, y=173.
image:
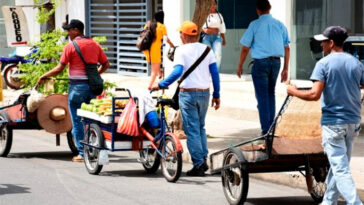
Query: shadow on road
x=56, y=155
x=13, y=189
x=132, y=173
x=301, y=200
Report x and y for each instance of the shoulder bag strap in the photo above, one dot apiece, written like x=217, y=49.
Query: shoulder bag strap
x=192, y=68
x=79, y=51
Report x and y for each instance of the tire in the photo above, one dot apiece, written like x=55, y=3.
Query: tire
x=6, y=136
x=172, y=165
x=150, y=160
x=91, y=155
x=319, y=183
x=10, y=80
x=235, y=179
x=72, y=144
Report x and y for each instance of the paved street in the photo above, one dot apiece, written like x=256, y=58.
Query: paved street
x=37, y=172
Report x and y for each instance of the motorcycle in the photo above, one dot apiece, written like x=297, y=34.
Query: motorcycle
x=10, y=67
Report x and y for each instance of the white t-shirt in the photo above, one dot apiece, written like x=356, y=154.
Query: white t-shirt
x=186, y=55
x=215, y=20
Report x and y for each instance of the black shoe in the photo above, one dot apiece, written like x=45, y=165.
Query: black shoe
x=204, y=166
x=196, y=172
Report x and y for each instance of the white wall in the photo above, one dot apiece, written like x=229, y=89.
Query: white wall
x=30, y=12
x=76, y=9
x=60, y=14
x=173, y=17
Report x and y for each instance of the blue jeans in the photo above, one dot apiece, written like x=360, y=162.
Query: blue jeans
x=264, y=74
x=193, y=107
x=215, y=42
x=337, y=141
x=77, y=94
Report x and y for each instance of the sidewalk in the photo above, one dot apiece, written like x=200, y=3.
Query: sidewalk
x=237, y=120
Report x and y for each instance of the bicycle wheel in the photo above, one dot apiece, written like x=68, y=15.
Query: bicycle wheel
x=150, y=160
x=235, y=178
x=95, y=138
x=6, y=136
x=11, y=77
x=171, y=165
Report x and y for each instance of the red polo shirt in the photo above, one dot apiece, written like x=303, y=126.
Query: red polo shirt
x=91, y=52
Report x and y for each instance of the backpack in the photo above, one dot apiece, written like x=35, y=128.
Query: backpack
x=146, y=36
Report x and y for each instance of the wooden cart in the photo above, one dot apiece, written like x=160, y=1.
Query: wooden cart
x=293, y=143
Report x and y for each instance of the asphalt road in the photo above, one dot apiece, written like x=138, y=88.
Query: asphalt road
x=37, y=172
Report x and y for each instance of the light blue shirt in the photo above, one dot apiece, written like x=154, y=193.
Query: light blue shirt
x=343, y=76
x=266, y=37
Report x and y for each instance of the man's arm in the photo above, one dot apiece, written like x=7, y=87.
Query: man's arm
x=177, y=72
x=243, y=53
x=55, y=71
x=284, y=74
x=104, y=67
x=310, y=95
x=216, y=84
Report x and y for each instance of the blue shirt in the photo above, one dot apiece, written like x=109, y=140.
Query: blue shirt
x=266, y=37
x=343, y=76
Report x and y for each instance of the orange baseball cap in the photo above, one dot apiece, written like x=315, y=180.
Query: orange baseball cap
x=189, y=28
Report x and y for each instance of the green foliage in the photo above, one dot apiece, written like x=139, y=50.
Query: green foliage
x=50, y=49
x=43, y=13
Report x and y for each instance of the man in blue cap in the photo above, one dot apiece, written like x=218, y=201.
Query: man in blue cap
x=338, y=77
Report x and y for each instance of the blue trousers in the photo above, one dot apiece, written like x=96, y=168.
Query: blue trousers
x=193, y=107
x=77, y=94
x=264, y=74
x=337, y=141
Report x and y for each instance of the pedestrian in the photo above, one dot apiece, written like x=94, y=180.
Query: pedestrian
x=154, y=55
x=268, y=39
x=79, y=90
x=214, y=32
x=338, y=78
x=194, y=93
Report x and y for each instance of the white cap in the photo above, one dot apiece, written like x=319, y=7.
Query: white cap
x=320, y=37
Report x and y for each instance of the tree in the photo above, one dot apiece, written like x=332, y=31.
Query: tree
x=202, y=10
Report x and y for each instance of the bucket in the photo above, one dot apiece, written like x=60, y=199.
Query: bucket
x=152, y=119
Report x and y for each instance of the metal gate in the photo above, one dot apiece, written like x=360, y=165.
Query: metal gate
x=121, y=22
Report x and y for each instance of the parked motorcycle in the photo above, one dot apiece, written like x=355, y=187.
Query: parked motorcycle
x=10, y=67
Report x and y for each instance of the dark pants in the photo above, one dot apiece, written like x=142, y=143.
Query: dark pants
x=264, y=74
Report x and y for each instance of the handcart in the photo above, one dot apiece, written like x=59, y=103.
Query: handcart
x=293, y=143
x=52, y=115
x=156, y=146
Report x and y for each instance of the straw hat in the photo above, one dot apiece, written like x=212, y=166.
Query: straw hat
x=53, y=114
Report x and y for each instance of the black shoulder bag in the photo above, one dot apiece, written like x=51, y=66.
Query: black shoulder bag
x=94, y=79
x=175, y=97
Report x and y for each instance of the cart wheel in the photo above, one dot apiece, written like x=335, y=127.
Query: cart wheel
x=235, y=177
x=11, y=77
x=150, y=160
x=172, y=164
x=319, y=183
x=72, y=143
x=6, y=137
x=95, y=138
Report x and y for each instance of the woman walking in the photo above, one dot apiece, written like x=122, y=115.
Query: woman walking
x=214, y=32
x=154, y=55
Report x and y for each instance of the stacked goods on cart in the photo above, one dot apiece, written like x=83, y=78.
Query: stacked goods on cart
x=104, y=106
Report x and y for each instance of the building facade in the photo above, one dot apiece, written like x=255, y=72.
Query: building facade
x=121, y=21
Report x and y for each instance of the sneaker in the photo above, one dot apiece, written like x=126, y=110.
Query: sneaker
x=204, y=166
x=77, y=158
x=196, y=172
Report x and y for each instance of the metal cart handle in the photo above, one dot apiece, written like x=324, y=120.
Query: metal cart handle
x=124, y=89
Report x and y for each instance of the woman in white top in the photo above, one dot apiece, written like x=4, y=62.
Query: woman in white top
x=214, y=32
